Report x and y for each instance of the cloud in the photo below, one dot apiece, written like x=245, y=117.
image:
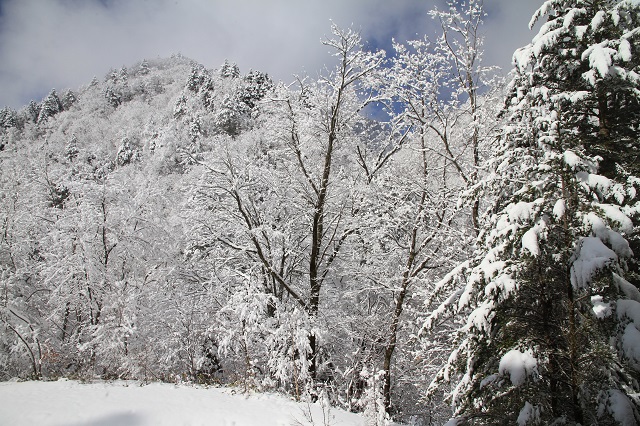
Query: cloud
x=506, y=29
x=64, y=43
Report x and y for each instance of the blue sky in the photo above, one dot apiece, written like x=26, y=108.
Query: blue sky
x=61, y=44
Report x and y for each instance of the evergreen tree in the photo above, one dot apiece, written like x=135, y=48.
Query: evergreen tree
x=144, y=68
x=32, y=111
x=68, y=99
x=112, y=96
x=8, y=117
x=127, y=153
x=257, y=85
x=553, y=325
x=229, y=70
x=51, y=105
x=123, y=75
x=196, y=78
x=111, y=77
x=180, y=107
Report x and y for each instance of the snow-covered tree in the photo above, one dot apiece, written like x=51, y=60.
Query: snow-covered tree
x=127, y=152
x=8, y=117
x=50, y=106
x=113, y=97
x=143, y=69
x=433, y=89
x=32, y=110
x=458, y=71
x=256, y=86
x=68, y=99
x=196, y=78
x=280, y=197
x=229, y=70
x=551, y=329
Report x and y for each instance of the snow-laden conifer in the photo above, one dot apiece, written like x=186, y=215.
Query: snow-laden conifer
x=551, y=336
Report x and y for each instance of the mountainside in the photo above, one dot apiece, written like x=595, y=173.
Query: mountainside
x=157, y=224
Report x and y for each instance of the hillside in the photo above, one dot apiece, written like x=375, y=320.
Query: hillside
x=123, y=255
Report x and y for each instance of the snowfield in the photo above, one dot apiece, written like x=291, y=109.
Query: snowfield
x=70, y=403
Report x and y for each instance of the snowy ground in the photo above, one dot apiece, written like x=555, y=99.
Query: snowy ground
x=69, y=403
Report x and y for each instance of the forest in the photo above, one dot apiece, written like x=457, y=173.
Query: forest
x=411, y=235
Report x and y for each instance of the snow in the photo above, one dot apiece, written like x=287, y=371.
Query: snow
x=568, y=21
x=529, y=413
x=590, y=77
x=120, y=403
x=523, y=211
x=600, y=308
x=581, y=30
x=530, y=241
x=571, y=159
x=489, y=267
x=624, y=50
x=521, y=58
x=481, y=317
x=618, y=243
x=592, y=256
x=489, y=380
x=600, y=58
x=629, y=309
x=631, y=343
x=598, y=20
x=614, y=214
x=626, y=287
x=559, y=209
x=504, y=285
x=619, y=406
x=518, y=365
x=595, y=182
x=530, y=238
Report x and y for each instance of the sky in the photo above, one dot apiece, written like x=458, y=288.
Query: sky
x=62, y=44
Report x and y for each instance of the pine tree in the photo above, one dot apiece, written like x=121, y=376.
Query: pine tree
x=552, y=333
x=229, y=70
x=256, y=86
x=32, y=111
x=123, y=75
x=8, y=117
x=68, y=99
x=144, y=68
x=196, y=78
x=51, y=105
x=113, y=97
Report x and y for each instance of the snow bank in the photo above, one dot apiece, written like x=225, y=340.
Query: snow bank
x=518, y=365
x=71, y=403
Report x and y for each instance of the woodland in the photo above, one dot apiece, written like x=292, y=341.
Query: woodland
x=411, y=235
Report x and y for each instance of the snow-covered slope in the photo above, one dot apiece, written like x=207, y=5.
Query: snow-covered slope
x=71, y=403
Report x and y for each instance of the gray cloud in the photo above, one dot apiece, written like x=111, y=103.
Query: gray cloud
x=64, y=43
